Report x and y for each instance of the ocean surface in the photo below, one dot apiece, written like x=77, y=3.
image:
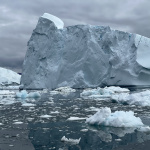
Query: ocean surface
x=40, y=124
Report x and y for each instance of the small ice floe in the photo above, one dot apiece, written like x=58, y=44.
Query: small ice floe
x=75, y=118
x=63, y=91
x=6, y=92
x=16, y=87
x=117, y=119
x=140, y=98
x=28, y=105
x=117, y=89
x=1, y=124
x=23, y=94
x=19, y=122
x=54, y=112
x=46, y=116
x=144, y=129
x=84, y=130
x=92, y=109
x=29, y=119
x=118, y=140
x=70, y=141
x=7, y=101
x=102, y=93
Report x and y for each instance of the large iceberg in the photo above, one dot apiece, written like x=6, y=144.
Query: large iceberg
x=8, y=77
x=83, y=56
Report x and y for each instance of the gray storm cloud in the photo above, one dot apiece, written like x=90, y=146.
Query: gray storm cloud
x=19, y=18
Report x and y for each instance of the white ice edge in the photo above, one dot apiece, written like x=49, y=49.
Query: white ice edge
x=57, y=21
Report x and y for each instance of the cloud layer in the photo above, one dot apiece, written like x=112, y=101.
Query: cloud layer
x=19, y=18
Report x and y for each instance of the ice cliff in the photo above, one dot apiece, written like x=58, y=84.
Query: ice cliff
x=8, y=77
x=84, y=56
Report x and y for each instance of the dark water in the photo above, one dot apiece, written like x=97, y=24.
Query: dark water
x=46, y=133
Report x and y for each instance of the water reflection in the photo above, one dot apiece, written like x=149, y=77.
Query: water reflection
x=46, y=133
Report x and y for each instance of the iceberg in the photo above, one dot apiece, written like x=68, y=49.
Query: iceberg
x=104, y=117
x=9, y=77
x=24, y=94
x=84, y=56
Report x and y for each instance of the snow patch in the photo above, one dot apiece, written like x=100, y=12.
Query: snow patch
x=58, y=22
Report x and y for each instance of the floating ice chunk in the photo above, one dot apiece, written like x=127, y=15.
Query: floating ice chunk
x=34, y=95
x=75, y=118
x=100, y=116
x=7, y=101
x=63, y=91
x=19, y=122
x=58, y=22
x=141, y=98
x=144, y=129
x=84, y=130
x=55, y=112
x=6, y=92
x=71, y=141
x=28, y=105
x=23, y=94
x=117, y=89
x=101, y=93
x=46, y=116
x=116, y=119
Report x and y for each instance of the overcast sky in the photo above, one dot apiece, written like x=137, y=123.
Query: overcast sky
x=19, y=17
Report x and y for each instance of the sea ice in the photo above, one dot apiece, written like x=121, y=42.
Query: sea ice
x=117, y=119
x=62, y=90
x=102, y=93
x=23, y=94
x=75, y=118
x=46, y=116
x=140, y=98
x=71, y=141
x=28, y=105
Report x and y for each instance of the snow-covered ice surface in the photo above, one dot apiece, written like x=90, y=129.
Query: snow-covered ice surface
x=143, y=51
x=58, y=22
x=8, y=77
x=104, y=117
x=45, y=120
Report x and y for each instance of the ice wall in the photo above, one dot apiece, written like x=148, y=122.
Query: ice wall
x=83, y=56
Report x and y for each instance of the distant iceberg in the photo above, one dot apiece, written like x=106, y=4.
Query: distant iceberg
x=9, y=77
